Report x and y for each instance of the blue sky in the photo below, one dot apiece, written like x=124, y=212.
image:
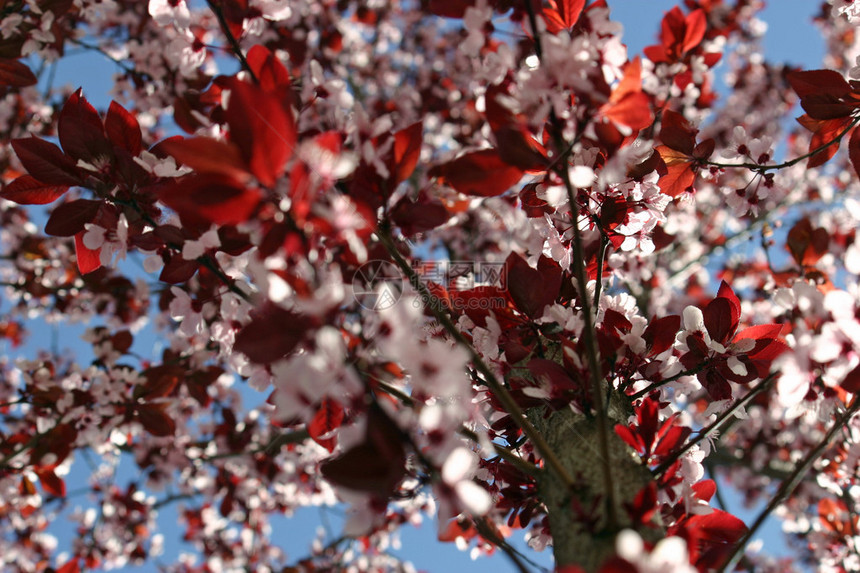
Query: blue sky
x=791, y=38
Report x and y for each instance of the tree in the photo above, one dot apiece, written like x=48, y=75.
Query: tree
x=458, y=258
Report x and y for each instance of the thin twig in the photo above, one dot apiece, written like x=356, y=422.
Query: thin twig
x=790, y=484
x=783, y=165
x=231, y=39
x=716, y=424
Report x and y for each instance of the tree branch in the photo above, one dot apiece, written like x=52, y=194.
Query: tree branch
x=790, y=484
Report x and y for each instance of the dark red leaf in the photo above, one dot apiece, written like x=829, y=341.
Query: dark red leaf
x=851, y=382
x=45, y=161
x=718, y=320
x=27, y=190
x=202, y=199
x=824, y=132
x=70, y=217
x=517, y=148
x=407, y=149
x=51, y=482
x=16, y=74
x=854, y=150
x=677, y=133
x=263, y=129
x=81, y=131
x=820, y=82
x=420, y=215
x=375, y=466
x=160, y=382
x=178, y=270
x=270, y=72
x=88, y=260
x=531, y=289
x=123, y=130
x=660, y=334
x=155, y=420
x=807, y=244
x=825, y=107
x=547, y=371
x=481, y=173
x=450, y=8
x=207, y=155
x=272, y=334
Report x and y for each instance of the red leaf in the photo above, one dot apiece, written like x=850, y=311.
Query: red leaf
x=328, y=418
x=532, y=289
x=155, y=420
x=178, y=270
x=660, y=334
x=677, y=133
x=15, y=74
x=262, y=128
x=806, y=244
x=481, y=173
x=160, y=381
x=718, y=526
x=760, y=332
x=420, y=215
x=705, y=489
x=88, y=259
x=27, y=190
x=207, y=155
x=633, y=110
x=819, y=82
x=272, y=334
x=450, y=8
x=270, y=72
x=679, y=176
x=122, y=129
x=70, y=217
x=81, y=131
x=824, y=132
x=202, y=199
x=569, y=10
x=45, y=161
x=51, y=482
x=854, y=150
x=727, y=293
x=376, y=465
x=696, y=24
x=407, y=149
x=71, y=566
x=851, y=382
x=544, y=370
